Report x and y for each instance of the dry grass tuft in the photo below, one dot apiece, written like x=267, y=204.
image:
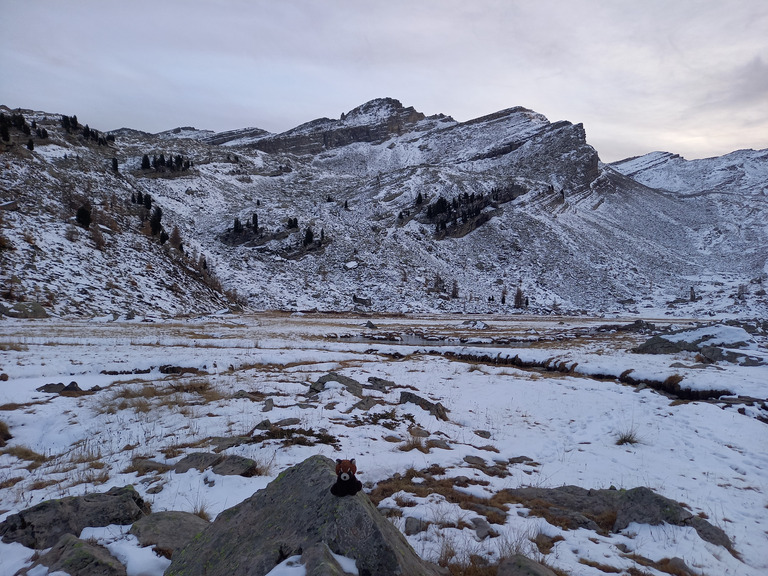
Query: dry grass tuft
x=5, y=434
x=27, y=454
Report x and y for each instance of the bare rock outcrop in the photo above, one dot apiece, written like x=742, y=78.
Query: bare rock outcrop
x=296, y=514
x=42, y=526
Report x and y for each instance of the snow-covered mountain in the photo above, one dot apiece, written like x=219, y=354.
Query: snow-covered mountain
x=384, y=209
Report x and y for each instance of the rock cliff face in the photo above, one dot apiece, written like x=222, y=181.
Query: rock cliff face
x=296, y=514
x=374, y=121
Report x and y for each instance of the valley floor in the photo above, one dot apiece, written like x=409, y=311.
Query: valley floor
x=529, y=401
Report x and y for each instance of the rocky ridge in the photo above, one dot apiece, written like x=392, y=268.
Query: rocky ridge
x=408, y=213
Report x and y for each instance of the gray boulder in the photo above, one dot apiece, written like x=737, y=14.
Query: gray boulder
x=353, y=386
x=519, y=565
x=606, y=511
x=168, y=531
x=297, y=514
x=75, y=556
x=435, y=408
x=24, y=310
x=42, y=526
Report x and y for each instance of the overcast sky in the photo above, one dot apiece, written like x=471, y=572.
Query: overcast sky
x=687, y=76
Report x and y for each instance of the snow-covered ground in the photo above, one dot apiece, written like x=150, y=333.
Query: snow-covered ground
x=710, y=455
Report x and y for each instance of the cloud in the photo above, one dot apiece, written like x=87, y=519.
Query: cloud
x=639, y=75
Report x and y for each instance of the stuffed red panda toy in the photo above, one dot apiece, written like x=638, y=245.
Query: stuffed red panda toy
x=346, y=483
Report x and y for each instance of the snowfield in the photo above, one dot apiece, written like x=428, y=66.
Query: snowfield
x=550, y=418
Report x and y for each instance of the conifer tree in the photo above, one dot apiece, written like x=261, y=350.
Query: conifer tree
x=30, y=144
x=309, y=236
x=145, y=165
x=154, y=221
x=83, y=216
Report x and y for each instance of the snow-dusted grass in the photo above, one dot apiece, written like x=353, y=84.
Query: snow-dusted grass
x=527, y=425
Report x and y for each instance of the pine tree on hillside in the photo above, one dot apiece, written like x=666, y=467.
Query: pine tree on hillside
x=154, y=221
x=30, y=145
x=83, y=216
x=114, y=164
x=147, y=201
x=519, y=298
x=145, y=165
x=175, y=238
x=309, y=237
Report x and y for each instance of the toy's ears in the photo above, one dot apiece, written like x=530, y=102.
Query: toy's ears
x=352, y=461
x=338, y=460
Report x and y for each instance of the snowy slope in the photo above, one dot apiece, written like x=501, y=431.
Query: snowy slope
x=573, y=234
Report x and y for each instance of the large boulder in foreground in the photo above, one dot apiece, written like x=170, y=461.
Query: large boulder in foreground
x=42, y=525
x=296, y=514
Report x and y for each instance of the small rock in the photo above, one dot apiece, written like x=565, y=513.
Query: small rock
x=483, y=433
x=51, y=388
x=75, y=556
x=263, y=425
x=475, y=461
x=414, y=525
x=168, y=530
x=269, y=404
x=288, y=422
x=236, y=466
x=440, y=443
x=380, y=384
x=519, y=565
x=482, y=528
x=417, y=432
x=366, y=403
x=197, y=460
x=371, y=325
x=435, y=408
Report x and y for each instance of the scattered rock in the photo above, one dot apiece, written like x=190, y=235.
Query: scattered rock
x=367, y=403
x=371, y=325
x=417, y=432
x=263, y=425
x=197, y=460
x=24, y=310
x=483, y=433
x=435, y=408
x=74, y=556
x=168, y=369
x=224, y=465
x=414, y=525
x=234, y=465
x=440, y=443
x=353, y=386
x=380, y=384
x=143, y=466
x=519, y=565
x=269, y=404
x=299, y=515
x=168, y=531
x=42, y=525
x=483, y=528
x=360, y=300
x=51, y=388
x=475, y=461
x=660, y=345
x=606, y=511
x=288, y=422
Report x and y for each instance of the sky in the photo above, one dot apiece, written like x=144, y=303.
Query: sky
x=689, y=76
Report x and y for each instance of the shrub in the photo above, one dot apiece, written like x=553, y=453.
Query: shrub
x=83, y=216
x=5, y=435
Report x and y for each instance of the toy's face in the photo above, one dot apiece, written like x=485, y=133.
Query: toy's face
x=345, y=469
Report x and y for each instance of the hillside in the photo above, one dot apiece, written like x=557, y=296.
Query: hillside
x=384, y=209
